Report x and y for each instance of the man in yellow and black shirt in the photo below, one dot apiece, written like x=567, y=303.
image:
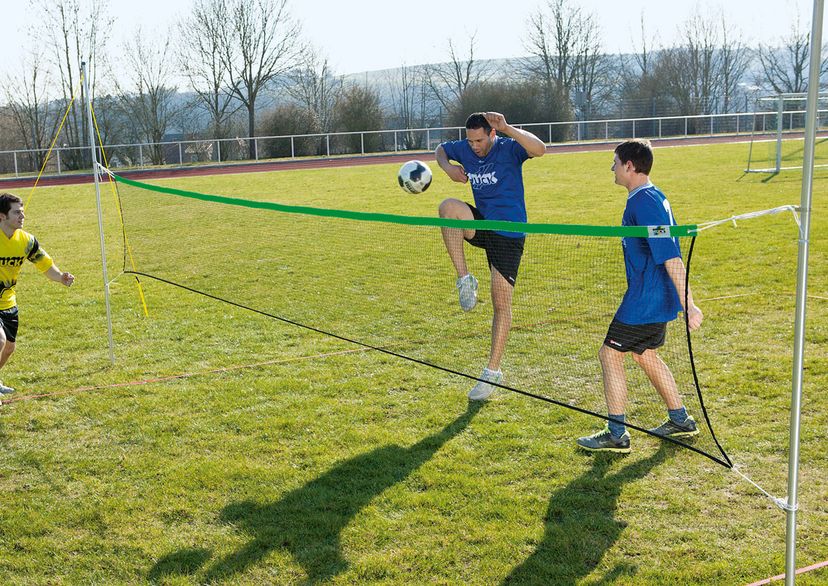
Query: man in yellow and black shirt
x=17, y=246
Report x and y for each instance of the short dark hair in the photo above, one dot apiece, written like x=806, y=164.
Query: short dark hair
x=478, y=120
x=639, y=151
x=6, y=201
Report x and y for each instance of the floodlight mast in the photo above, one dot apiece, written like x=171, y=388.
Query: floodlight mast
x=802, y=287
x=94, y=151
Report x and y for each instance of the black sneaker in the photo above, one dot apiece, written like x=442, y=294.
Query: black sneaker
x=604, y=442
x=672, y=429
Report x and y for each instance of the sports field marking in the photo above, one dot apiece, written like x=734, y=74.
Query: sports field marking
x=752, y=294
x=798, y=572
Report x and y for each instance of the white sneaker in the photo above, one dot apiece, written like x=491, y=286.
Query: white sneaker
x=482, y=390
x=4, y=390
x=467, y=288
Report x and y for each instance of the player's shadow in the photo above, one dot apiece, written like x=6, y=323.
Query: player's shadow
x=185, y=561
x=308, y=521
x=581, y=525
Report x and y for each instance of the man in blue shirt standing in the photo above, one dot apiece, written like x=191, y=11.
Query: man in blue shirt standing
x=493, y=165
x=655, y=295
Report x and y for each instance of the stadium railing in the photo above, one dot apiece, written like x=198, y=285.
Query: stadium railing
x=67, y=159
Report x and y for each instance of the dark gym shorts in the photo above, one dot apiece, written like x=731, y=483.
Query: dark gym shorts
x=502, y=252
x=635, y=338
x=8, y=317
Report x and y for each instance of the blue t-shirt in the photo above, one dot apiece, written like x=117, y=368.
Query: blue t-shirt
x=496, y=180
x=651, y=296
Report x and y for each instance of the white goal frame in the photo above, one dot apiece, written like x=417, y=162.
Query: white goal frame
x=781, y=99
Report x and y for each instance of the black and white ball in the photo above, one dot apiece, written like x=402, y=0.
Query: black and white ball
x=414, y=177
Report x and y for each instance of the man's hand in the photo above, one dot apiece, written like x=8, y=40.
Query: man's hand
x=694, y=317
x=496, y=120
x=67, y=279
x=534, y=146
x=457, y=174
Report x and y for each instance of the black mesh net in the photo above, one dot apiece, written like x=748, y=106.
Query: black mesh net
x=390, y=286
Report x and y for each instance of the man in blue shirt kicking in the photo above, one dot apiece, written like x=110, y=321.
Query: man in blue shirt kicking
x=655, y=295
x=493, y=166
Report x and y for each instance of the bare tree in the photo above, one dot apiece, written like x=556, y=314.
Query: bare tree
x=552, y=42
x=29, y=103
x=409, y=93
x=643, y=58
x=449, y=81
x=706, y=68
x=200, y=56
x=785, y=68
x=593, y=80
x=638, y=87
x=690, y=69
x=734, y=60
x=74, y=31
x=285, y=120
x=8, y=131
x=259, y=45
x=113, y=124
x=315, y=87
x=359, y=110
x=563, y=45
x=149, y=96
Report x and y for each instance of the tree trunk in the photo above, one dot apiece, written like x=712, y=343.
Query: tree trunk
x=251, y=127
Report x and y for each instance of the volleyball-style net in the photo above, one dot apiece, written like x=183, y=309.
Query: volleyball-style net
x=386, y=283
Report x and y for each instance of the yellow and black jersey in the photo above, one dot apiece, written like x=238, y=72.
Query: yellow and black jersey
x=13, y=251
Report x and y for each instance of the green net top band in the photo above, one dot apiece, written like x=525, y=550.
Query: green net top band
x=516, y=227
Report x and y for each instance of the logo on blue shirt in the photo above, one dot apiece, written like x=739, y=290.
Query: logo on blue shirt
x=480, y=179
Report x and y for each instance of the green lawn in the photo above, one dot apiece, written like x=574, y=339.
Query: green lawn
x=323, y=461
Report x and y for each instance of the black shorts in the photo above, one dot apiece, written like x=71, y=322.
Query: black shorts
x=8, y=318
x=502, y=252
x=635, y=338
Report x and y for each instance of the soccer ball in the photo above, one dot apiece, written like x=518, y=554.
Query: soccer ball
x=414, y=177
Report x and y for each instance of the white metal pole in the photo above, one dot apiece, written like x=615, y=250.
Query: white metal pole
x=802, y=288
x=780, y=114
x=94, y=153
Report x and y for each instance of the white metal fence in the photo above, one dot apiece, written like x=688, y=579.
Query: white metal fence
x=21, y=163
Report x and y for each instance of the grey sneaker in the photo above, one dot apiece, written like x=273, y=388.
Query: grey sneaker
x=482, y=390
x=672, y=429
x=604, y=442
x=4, y=390
x=467, y=287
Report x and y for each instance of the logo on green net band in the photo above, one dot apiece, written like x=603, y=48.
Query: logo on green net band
x=659, y=231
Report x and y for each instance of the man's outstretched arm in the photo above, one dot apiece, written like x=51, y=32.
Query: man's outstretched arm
x=56, y=275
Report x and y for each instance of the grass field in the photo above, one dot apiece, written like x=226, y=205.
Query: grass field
x=320, y=461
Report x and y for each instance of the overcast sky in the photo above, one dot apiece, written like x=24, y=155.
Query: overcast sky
x=365, y=35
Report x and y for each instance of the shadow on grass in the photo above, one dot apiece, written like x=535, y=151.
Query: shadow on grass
x=185, y=561
x=581, y=525
x=308, y=521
